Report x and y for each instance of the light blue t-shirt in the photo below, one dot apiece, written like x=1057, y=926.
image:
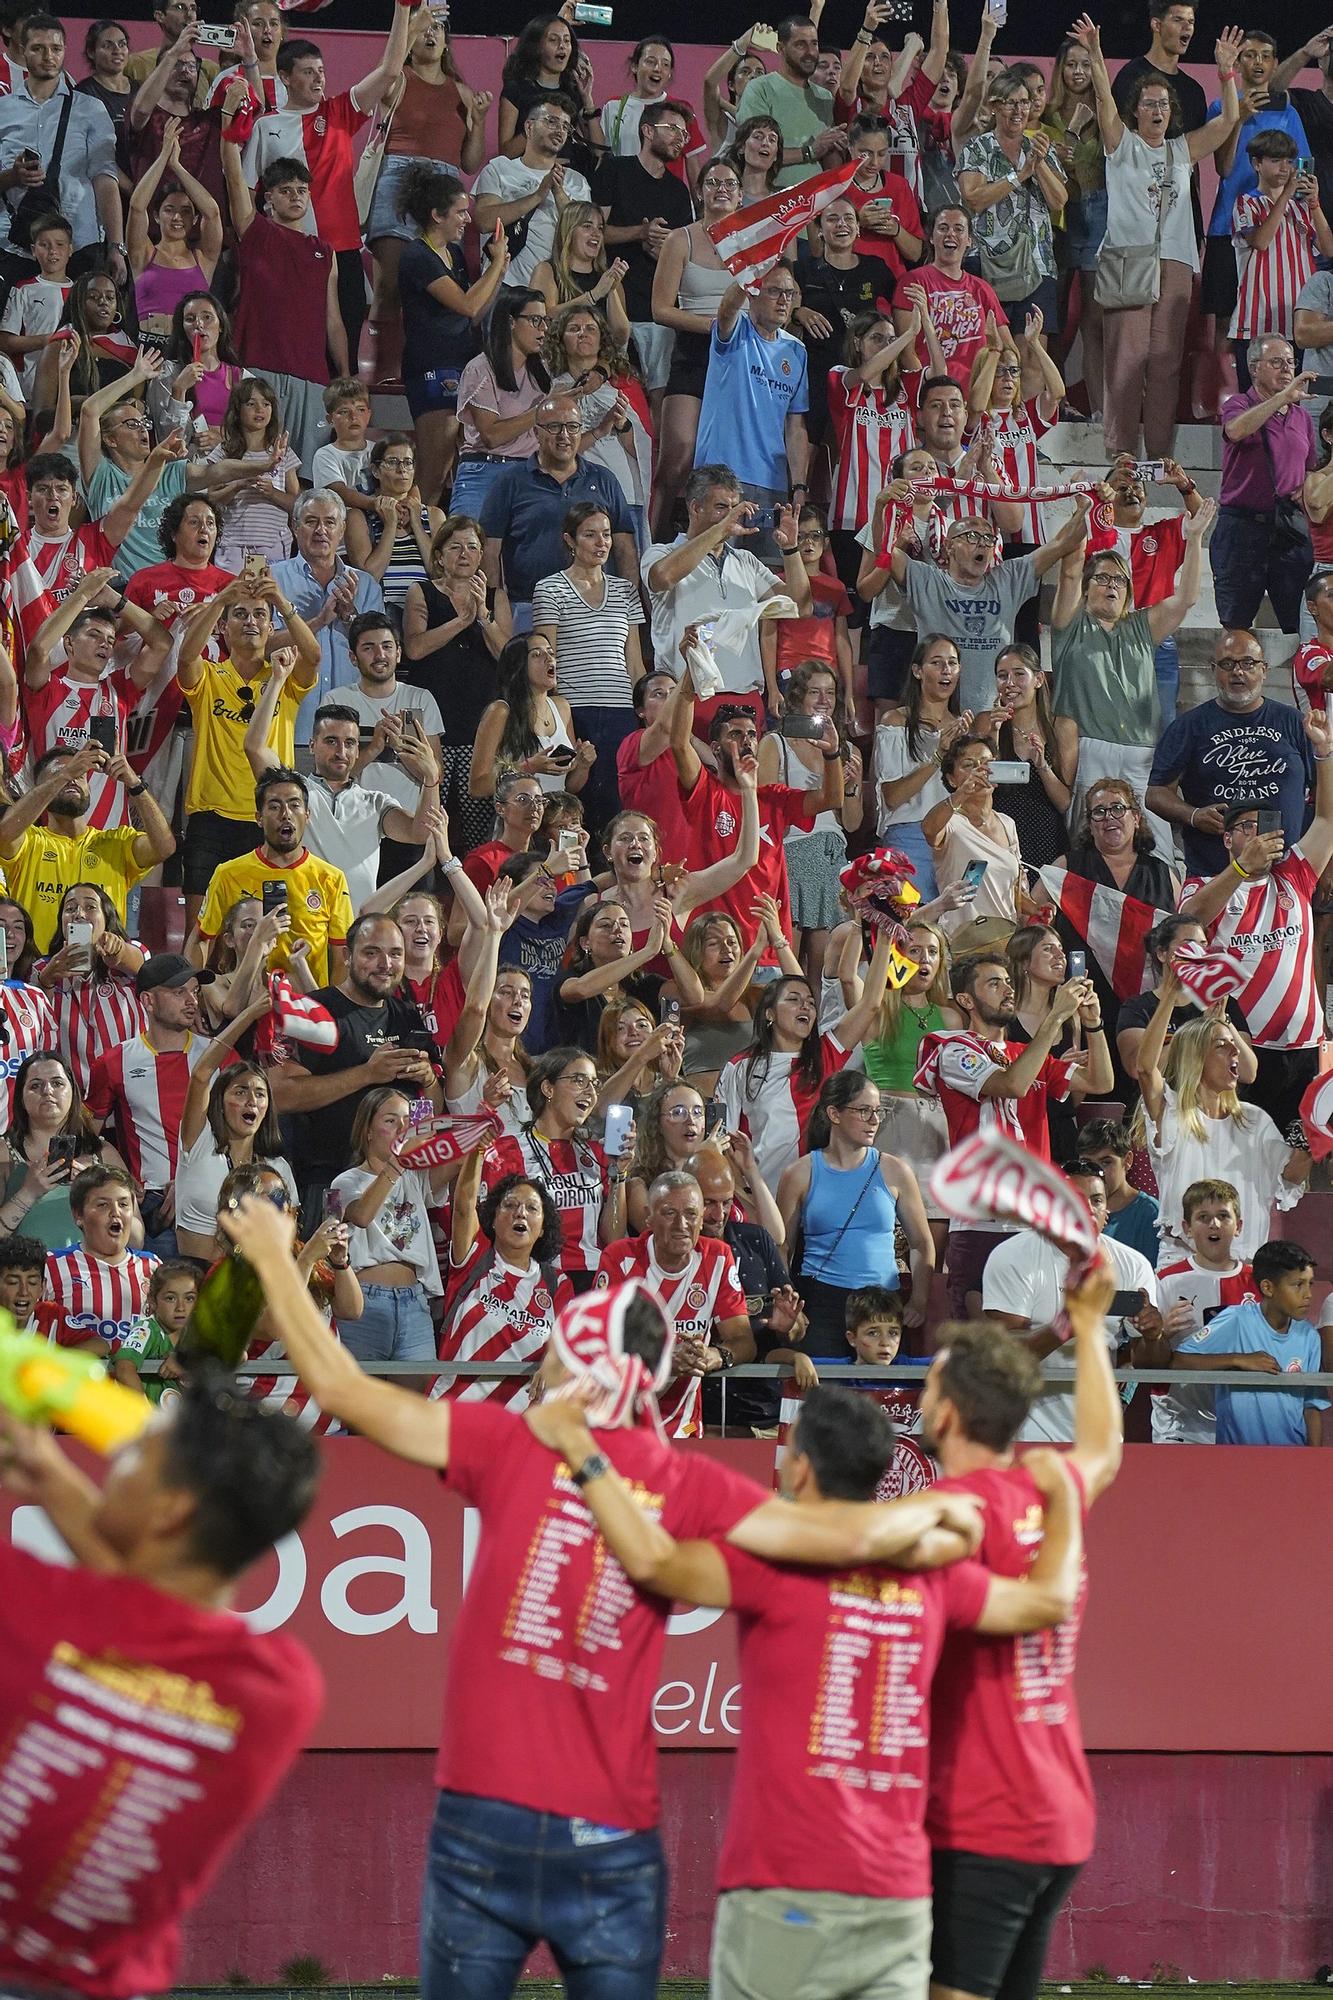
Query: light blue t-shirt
x=1243, y=179
x=1261, y=1416
x=751, y=386
x=141, y=548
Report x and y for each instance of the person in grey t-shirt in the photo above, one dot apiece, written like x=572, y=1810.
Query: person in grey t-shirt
x=1314, y=332
x=975, y=598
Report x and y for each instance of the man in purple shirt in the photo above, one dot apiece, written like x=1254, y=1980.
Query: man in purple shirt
x=1267, y=445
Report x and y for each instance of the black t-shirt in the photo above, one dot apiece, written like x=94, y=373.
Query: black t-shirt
x=433, y=337
x=632, y=195
x=1316, y=115
x=839, y=296
x=461, y=675
x=322, y=1140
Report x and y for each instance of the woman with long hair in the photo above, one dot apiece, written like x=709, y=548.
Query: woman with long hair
x=426, y=981
x=602, y=965
x=238, y=958
x=497, y=393
x=1038, y=967
x=871, y=423
x=1164, y=940
x=189, y=241
x=1027, y=731
x=815, y=855
x=724, y=86
x=98, y=310
x=50, y=1139
x=257, y=521
x=909, y=743
x=394, y=543
x=528, y=727
x=773, y=1083
x=94, y=998
x=1071, y=113
x=756, y=154
x=505, y=1286
x=441, y=311
x=554, y=1152
x=965, y=828
x=438, y=126
x=455, y=629
x=20, y=942
x=634, y=1052
x=585, y=361
x=385, y=1203
x=485, y=1047
x=1008, y=423
x=687, y=290
x=670, y=1130
x=577, y=271
x=229, y=1120
x=720, y=1024
x=1113, y=845
x=842, y=1202
x=1199, y=1130
x=639, y=880
x=652, y=65
x=201, y=372
x=546, y=62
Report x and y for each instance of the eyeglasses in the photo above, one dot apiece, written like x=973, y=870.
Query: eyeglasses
x=515, y=798
x=570, y=429
x=1109, y=578
x=783, y=292
x=1117, y=810
x=681, y=1111
x=724, y=186
x=864, y=1111
x=673, y=130
x=397, y=465
x=1241, y=660
x=135, y=424
x=970, y=535
x=534, y=319
x=576, y=1076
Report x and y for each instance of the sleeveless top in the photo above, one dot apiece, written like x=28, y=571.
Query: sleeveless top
x=405, y=564
x=159, y=288
x=891, y=1061
x=847, y=1220
x=1042, y=834
x=798, y=777
x=701, y=289
x=555, y=739
x=461, y=675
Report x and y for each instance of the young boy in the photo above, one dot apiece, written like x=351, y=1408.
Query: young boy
x=33, y=308
x=1277, y=232
x=1273, y=1337
x=100, y=1288
x=172, y=1291
x=1131, y=1216
x=787, y=643
x=22, y=1282
x=1195, y=1289
x=874, y=1335
x=339, y=466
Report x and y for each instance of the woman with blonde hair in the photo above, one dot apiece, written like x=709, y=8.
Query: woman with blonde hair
x=912, y=1126
x=1198, y=1129
x=577, y=271
x=587, y=360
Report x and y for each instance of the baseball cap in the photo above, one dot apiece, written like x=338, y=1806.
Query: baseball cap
x=169, y=968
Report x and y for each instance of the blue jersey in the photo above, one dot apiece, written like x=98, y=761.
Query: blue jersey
x=752, y=386
x=1261, y=1416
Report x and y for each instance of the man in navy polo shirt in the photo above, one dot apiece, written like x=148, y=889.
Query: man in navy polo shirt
x=523, y=515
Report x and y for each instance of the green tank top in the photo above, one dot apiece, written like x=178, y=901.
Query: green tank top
x=891, y=1062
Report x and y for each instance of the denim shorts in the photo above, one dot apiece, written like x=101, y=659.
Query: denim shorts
x=384, y=219
x=395, y=1325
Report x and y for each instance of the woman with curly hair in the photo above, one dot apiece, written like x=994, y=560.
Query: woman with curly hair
x=529, y=727
x=577, y=272
x=505, y=1285
x=586, y=362
x=554, y=1152
x=100, y=312
x=719, y=1025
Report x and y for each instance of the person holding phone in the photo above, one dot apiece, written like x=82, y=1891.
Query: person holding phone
x=50, y=1139
x=385, y=1202
x=966, y=832
x=228, y=1122
x=281, y=870
x=528, y=730
x=553, y=1150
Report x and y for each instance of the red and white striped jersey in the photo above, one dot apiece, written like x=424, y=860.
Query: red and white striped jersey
x=273, y=89
x=1270, y=924
x=93, y=1015
x=573, y=1173
x=58, y=716
x=1014, y=434
x=27, y=1025
x=913, y=1469
x=954, y=1065
x=142, y=1091
x=1270, y=281
x=322, y=138
x=62, y=561
x=1308, y=668
x=706, y=1291
x=772, y=1102
x=494, y=1312
x=288, y=1392
x=92, y=1296
x=870, y=428
x=1184, y=1415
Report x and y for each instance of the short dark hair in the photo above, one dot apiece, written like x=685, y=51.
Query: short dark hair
x=991, y=1379
x=169, y=526
x=1108, y=1134
x=50, y=465
x=872, y=1302
x=547, y=1247
x=90, y=615
x=936, y=382
x=963, y=972
x=639, y=692
x=1080, y=1168
x=251, y=1470
x=92, y=1178
x=279, y=775
x=1271, y=145
x=368, y=621
x=849, y=1440
x=334, y=711
x=42, y=24
x=948, y=208
x=1274, y=1261
x=278, y=172
x=729, y=712
x=553, y=100
x=294, y=52
x=664, y=107
x=22, y=1253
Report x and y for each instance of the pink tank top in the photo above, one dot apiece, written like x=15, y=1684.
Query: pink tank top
x=160, y=289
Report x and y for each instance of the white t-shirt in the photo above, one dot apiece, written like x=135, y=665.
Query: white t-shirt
x=200, y=1172
x=332, y=462
x=1025, y=1276
x=894, y=760
x=710, y=589
x=1139, y=177
x=510, y=180
x=400, y=1233
x=1250, y=1155
x=382, y=776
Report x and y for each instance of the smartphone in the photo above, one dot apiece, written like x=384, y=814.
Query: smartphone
x=803, y=728
x=79, y=938
x=420, y=1042
x=616, y=1132
x=1304, y=168
x=1150, y=470
x=205, y=37
x=568, y=842
x=974, y=875
x=765, y=37
x=900, y=10
x=1002, y=772
x=1076, y=965
x=562, y=754
x=1269, y=821
x=332, y=1205
x=706, y=631
x=673, y=1013
x=28, y=158
x=102, y=732
x=997, y=11
x=715, y=1119
x=587, y=14
x=61, y=1150
x=4, y=954
x=254, y=568
x=1126, y=1305
x=273, y=896
x=418, y=1111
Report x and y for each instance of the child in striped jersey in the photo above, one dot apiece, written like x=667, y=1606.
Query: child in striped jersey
x=1277, y=232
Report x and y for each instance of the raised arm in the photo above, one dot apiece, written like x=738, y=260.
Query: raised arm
x=239, y=199
x=1049, y=1593
x=1164, y=617
x=223, y=1044
x=1099, y=1429
x=1109, y=123
x=722, y=875
x=1207, y=138
x=367, y=94
x=1148, y=1063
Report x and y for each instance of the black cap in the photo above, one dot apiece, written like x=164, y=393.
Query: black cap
x=169, y=968
x=1233, y=813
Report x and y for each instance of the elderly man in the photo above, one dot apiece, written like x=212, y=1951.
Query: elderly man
x=523, y=514
x=801, y=109
x=1239, y=748
x=327, y=592
x=696, y=1282
x=534, y=187
x=772, y=1307
x=757, y=393
x=702, y=574
x=88, y=191
x=1267, y=445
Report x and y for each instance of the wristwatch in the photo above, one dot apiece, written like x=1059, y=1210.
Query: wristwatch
x=136, y=791
x=726, y=1359
x=595, y=1466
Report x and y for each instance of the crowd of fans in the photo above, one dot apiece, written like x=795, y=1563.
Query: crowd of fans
x=529, y=743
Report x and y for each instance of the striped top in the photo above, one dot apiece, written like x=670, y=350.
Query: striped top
x=405, y=564
x=589, y=644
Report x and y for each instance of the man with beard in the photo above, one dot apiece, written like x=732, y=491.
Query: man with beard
x=42, y=862
x=801, y=109
x=381, y=1039
x=1238, y=748
x=319, y=909
x=643, y=202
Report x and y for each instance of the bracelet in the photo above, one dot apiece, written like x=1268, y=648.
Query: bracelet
x=136, y=791
x=1193, y=814
x=1244, y=873
x=1226, y=75
x=1189, y=487
x=452, y=866
x=808, y=153
x=830, y=756
x=1325, y=758
x=864, y=36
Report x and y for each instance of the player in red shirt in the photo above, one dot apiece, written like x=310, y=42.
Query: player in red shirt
x=825, y=1859
x=1010, y=1816
x=159, y=1722
x=551, y=1630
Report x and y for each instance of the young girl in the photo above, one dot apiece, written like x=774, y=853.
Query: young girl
x=634, y=1052
x=909, y=742
x=228, y=1121
x=601, y=965
x=384, y=1203
x=256, y=519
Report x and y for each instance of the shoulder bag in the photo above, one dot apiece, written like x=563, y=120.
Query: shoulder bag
x=1127, y=279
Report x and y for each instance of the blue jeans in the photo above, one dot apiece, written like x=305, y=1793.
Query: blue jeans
x=1166, y=666
x=395, y=1325
x=501, y=1879
x=1247, y=563
x=473, y=480
x=606, y=729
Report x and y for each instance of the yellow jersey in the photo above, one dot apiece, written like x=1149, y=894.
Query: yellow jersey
x=318, y=903
x=49, y=863
x=220, y=779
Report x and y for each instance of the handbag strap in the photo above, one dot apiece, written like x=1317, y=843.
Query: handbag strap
x=1278, y=498
x=873, y=1166
x=51, y=181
